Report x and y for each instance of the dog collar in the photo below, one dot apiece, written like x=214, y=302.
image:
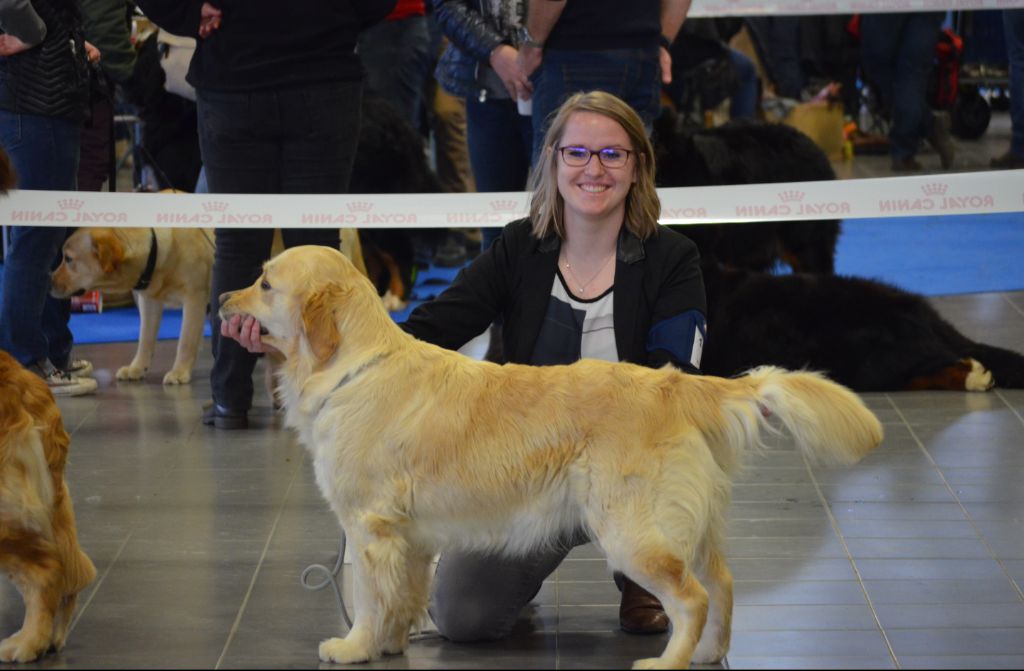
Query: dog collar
x=147, y=272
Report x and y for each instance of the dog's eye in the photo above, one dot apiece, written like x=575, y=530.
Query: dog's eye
x=265, y=285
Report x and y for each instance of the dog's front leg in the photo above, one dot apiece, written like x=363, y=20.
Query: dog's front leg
x=193, y=314
x=385, y=597
x=150, y=313
x=32, y=640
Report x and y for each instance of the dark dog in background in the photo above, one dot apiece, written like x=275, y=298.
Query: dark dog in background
x=863, y=334
x=748, y=152
x=390, y=159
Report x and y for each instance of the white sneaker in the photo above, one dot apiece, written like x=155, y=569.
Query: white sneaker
x=80, y=367
x=62, y=383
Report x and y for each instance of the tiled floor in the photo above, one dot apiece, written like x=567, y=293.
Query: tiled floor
x=912, y=559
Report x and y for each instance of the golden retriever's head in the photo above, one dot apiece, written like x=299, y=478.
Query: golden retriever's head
x=298, y=300
x=92, y=259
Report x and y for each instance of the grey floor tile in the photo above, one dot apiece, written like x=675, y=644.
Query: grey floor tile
x=917, y=548
x=962, y=662
x=957, y=641
x=929, y=569
x=775, y=617
x=851, y=643
x=948, y=615
x=918, y=591
x=829, y=662
x=804, y=592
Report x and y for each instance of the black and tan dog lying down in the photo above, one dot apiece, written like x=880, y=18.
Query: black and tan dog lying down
x=419, y=449
x=864, y=334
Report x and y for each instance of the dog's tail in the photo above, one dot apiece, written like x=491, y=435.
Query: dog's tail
x=1006, y=366
x=829, y=422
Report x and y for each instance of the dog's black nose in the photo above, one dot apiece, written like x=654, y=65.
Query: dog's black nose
x=224, y=297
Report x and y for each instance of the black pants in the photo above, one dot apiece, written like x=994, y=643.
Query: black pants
x=300, y=140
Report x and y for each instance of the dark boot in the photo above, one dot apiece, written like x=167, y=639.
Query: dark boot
x=640, y=612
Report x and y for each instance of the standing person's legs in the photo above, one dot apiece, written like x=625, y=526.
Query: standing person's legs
x=321, y=127
x=33, y=325
x=240, y=142
x=397, y=58
x=912, y=118
x=879, y=44
x=500, y=146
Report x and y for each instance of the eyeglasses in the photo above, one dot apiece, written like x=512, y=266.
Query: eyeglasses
x=610, y=157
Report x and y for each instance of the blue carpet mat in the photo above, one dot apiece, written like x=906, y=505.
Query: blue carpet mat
x=929, y=255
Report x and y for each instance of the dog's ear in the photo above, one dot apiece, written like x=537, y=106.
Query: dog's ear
x=319, y=323
x=108, y=249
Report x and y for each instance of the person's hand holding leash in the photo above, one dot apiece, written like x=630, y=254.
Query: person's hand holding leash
x=246, y=332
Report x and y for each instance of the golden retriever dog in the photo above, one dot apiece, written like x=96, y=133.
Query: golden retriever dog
x=162, y=266
x=419, y=449
x=39, y=548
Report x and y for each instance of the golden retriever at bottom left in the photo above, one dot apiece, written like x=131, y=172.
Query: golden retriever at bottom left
x=419, y=449
x=39, y=548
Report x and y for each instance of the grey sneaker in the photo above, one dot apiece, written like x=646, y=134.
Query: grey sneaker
x=62, y=383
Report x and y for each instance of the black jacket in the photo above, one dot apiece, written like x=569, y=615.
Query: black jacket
x=472, y=34
x=271, y=44
x=51, y=78
x=655, y=280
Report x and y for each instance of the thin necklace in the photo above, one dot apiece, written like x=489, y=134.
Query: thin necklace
x=582, y=288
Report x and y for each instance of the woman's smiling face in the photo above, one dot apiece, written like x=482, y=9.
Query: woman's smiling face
x=595, y=191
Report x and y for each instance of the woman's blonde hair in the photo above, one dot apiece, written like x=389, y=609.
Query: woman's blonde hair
x=642, y=204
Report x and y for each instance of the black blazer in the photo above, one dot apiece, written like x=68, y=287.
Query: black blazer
x=655, y=280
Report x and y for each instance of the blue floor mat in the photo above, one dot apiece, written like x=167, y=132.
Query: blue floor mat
x=934, y=256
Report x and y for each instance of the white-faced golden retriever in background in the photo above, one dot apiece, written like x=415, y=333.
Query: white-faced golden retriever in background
x=419, y=449
x=39, y=549
x=114, y=259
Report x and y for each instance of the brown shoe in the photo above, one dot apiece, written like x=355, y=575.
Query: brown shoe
x=640, y=612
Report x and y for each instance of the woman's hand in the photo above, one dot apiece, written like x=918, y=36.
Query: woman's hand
x=505, y=61
x=246, y=332
x=10, y=45
x=91, y=52
x=209, y=19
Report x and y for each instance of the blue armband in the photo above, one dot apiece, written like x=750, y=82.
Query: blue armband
x=681, y=336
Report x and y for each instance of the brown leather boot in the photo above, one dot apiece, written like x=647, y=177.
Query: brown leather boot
x=640, y=612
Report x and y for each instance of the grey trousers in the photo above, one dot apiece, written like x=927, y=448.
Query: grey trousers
x=477, y=596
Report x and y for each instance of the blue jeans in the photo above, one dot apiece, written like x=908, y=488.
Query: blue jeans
x=1013, y=30
x=398, y=57
x=632, y=74
x=743, y=103
x=33, y=325
x=500, y=143
x=299, y=140
x=897, y=52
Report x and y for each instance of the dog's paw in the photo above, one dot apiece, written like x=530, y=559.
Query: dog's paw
x=343, y=651
x=130, y=373
x=21, y=648
x=178, y=377
x=652, y=663
x=979, y=379
x=713, y=655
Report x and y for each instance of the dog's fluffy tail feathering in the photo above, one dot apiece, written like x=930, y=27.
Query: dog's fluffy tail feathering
x=829, y=423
